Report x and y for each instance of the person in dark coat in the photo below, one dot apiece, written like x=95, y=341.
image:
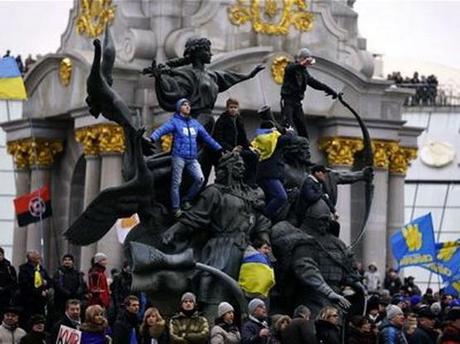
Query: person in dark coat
x=37, y=334
x=327, y=330
x=425, y=332
x=313, y=190
x=126, y=328
x=68, y=284
x=392, y=282
x=153, y=328
x=269, y=143
x=230, y=133
x=8, y=282
x=255, y=330
x=120, y=289
x=301, y=330
x=34, y=284
x=360, y=332
x=71, y=318
x=451, y=333
x=295, y=82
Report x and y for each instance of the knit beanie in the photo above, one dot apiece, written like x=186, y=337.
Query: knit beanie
x=99, y=257
x=188, y=296
x=224, y=307
x=253, y=304
x=392, y=311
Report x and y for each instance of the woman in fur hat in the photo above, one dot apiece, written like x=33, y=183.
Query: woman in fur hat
x=224, y=330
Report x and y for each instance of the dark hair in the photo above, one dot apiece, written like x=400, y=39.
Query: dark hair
x=358, y=321
x=191, y=46
x=68, y=255
x=318, y=168
x=129, y=299
x=70, y=302
x=301, y=310
x=2, y=251
x=267, y=125
x=232, y=101
x=259, y=242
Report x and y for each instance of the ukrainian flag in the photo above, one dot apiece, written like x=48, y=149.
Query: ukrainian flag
x=11, y=83
x=256, y=276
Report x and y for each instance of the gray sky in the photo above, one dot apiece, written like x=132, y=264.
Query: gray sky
x=404, y=29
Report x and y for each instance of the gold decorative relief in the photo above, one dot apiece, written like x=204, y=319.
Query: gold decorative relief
x=288, y=12
x=65, y=71
x=94, y=16
x=34, y=152
x=277, y=68
x=401, y=158
x=383, y=150
x=340, y=151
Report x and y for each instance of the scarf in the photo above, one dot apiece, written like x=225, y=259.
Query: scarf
x=38, y=279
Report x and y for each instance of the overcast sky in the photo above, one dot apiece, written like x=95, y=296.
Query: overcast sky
x=406, y=29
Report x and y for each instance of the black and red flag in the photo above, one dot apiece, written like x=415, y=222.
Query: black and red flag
x=33, y=207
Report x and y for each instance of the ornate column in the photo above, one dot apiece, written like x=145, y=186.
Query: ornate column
x=375, y=238
x=89, y=137
x=340, y=154
x=111, y=147
x=399, y=164
x=19, y=152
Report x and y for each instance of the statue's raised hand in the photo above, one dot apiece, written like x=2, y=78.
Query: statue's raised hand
x=256, y=70
x=153, y=70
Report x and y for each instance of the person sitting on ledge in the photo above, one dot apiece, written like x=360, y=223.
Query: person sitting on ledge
x=185, y=131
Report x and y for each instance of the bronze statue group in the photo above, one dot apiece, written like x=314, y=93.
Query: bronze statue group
x=262, y=238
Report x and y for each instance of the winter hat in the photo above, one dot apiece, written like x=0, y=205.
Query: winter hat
x=436, y=308
x=392, y=311
x=224, y=307
x=453, y=314
x=99, y=257
x=303, y=53
x=425, y=312
x=13, y=310
x=415, y=300
x=188, y=296
x=37, y=319
x=253, y=304
x=180, y=102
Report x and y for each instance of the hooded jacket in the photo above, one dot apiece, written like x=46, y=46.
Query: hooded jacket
x=186, y=131
x=390, y=334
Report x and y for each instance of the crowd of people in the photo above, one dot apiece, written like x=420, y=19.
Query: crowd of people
x=426, y=88
x=34, y=305
x=22, y=66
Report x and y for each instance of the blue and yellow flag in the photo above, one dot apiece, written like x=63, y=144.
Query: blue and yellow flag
x=453, y=285
x=256, y=276
x=447, y=261
x=414, y=244
x=11, y=83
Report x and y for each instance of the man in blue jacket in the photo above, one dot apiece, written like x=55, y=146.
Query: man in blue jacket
x=185, y=130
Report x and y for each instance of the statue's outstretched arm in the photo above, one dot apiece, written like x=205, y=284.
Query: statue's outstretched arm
x=226, y=79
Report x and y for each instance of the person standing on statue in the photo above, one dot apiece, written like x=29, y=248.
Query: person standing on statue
x=296, y=79
x=186, y=131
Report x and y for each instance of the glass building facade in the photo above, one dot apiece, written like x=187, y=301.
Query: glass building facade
x=431, y=188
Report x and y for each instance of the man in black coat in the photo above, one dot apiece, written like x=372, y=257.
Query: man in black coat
x=71, y=318
x=425, y=332
x=230, y=133
x=34, y=284
x=296, y=79
x=68, y=284
x=8, y=282
x=255, y=330
x=127, y=324
x=301, y=330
